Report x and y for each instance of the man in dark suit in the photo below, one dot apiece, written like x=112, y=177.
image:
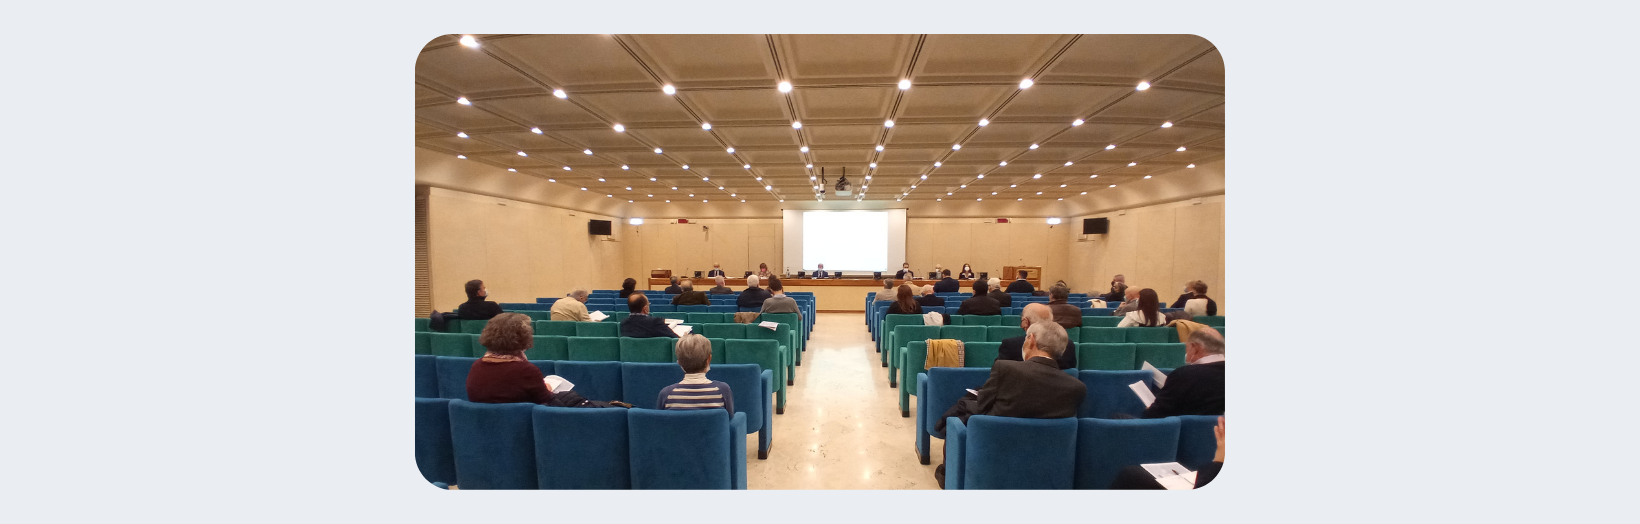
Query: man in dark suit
x=928, y=299
x=820, y=271
x=639, y=324
x=716, y=271
x=1118, y=289
x=476, y=307
x=905, y=272
x=1021, y=285
x=947, y=284
x=995, y=284
x=1196, y=388
x=753, y=296
x=690, y=297
x=980, y=304
x=1033, y=388
x=1014, y=348
x=674, y=288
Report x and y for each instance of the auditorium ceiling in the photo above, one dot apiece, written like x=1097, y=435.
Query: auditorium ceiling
x=651, y=118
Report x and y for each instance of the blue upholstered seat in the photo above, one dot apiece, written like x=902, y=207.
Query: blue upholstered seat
x=494, y=445
x=435, y=456
x=427, y=376
x=452, y=376
x=937, y=390
x=578, y=448
x=593, y=380
x=1108, y=393
x=726, y=307
x=687, y=449
x=988, y=454
x=1197, y=445
x=1104, y=447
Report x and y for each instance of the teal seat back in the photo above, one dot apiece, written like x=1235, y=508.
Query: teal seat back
x=595, y=348
x=673, y=315
x=1160, y=356
x=1154, y=335
x=423, y=325
x=906, y=334
x=1000, y=333
x=1215, y=321
x=958, y=320
x=476, y=350
x=983, y=320
x=980, y=354
x=549, y=347
x=561, y=328
x=597, y=329
x=1105, y=356
x=720, y=352
x=620, y=316
x=657, y=350
x=424, y=343
x=779, y=334
x=725, y=331
x=1074, y=334
x=893, y=321
x=1110, y=335
x=473, y=326
x=783, y=318
x=964, y=333
x=451, y=344
x=765, y=353
x=1008, y=320
x=705, y=318
x=1092, y=321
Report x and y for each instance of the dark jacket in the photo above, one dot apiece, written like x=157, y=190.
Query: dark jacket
x=1116, y=294
x=721, y=290
x=1003, y=299
x=821, y=273
x=638, y=325
x=931, y=301
x=979, y=306
x=1030, y=389
x=691, y=298
x=947, y=285
x=476, y=308
x=753, y=297
x=1212, y=307
x=627, y=292
x=713, y=273
x=1014, y=348
x=673, y=289
x=1194, y=389
x=895, y=309
x=1021, y=286
x=965, y=275
x=1066, y=315
x=904, y=275
x=493, y=382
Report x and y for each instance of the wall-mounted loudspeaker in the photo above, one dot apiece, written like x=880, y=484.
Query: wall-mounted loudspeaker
x=1095, y=226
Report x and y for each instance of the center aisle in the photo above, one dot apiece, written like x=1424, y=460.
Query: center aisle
x=842, y=428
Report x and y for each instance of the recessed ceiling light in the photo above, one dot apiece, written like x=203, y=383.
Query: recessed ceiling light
x=925, y=177
x=979, y=200
x=782, y=200
x=462, y=134
x=583, y=189
x=810, y=166
x=939, y=200
x=1061, y=185
x=1147, y=177
x=768, y=188
x=624, y=168
x=535, y=130
x=1093, y=176
x=651, y=179
x=936, y=164
x=1004, y=162
x=1084, y=192
x=984, y=122
x=1038, y=175
x=513, y=170
x=521, y=153
x=463, y=101
x=879, y=147
x=1131, y=164
x=620, y=128
x=1034, y=146
x=686, y=166
x=1061, y=198
x=1020, y=199
x=873, y=164
x=1069, y=163
x=947, y=193
x=668, y=89
x=629, y=201
x=669, y=201
x=731, y=150
x=1191, y=166
x=553, y=180
x=657, y=151
x=1013, y=185
x=1143, y=86
x=566, y=168
x=600, y=180
x=888, y=123
x=691, y=195
x=1167, y=124
x=463, y=157
x=1076, y=122
x=868, y=177
x=784, y=87
x=730, y=194
x=721, y=187
x=674, y=188
x=469, y=41
x=1113, y=185
x=1038, y=192
x=651, y=195
x=560, y=93
x=587, y=151
x=955, y=147
x=982, y=176
x=705, y=200
x=1110, y=147
x=1025, y=84
x=706, y=125
x=964, y=186
x=905, y=84
x=748, y=166
x=628, y=188
x=1181, y=148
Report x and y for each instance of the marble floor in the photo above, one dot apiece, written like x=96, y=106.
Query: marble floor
x=842, y=427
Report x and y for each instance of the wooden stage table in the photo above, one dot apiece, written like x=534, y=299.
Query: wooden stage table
x=831, y=295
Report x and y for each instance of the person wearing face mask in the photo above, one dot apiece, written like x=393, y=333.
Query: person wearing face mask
x=947, y=284
x=905, y=272
x=1197, y=388
x=717, y=271
x=476, y=307
x=1030, y=388
x=820, y=271
x=966, y=274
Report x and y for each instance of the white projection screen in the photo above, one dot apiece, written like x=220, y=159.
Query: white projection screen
x=848, y=241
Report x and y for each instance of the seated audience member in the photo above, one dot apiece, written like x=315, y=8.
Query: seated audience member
x=1198, y=291
x=1064, y=314
x=1021, y=285
x=1148, y=314
x=476, y=308
x=628, y=287
x=966, y=274
x=504, y=376
x=763, y=270
x=1002, y=297
x=1135, y=476
x=778, y=302
x=689, y=297
x=639, y=324
x=905, y=272
x=1118, y=288
x=722, y=287
x=820, y=271
x=947, y=284
x=905, y=304
x=1131, y=305
x=1014, y=348
x=1196, y=388
x=886, y=294
x=1033, y=388
x=929, y=299
x=717, y=271
x=696, y=391
x=674, y=288
x=753, y=296
x=1189, y=293
x=572, y=307
x=980, y=304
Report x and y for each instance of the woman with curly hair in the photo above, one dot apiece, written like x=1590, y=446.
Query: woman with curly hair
x=504, y=375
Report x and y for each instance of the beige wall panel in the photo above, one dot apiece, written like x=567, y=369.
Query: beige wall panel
x=522, y=251
x=729, y=248
x=1153, y=253
x=761, y=250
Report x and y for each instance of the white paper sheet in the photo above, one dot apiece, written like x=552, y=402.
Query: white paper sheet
x=673, y=321
x=771, y=325
x=557, y=383
x=682, y=330
x=974, y=392
x=1161, y=378
x=1171, y=475
x=598, y=316
x=1139, y=388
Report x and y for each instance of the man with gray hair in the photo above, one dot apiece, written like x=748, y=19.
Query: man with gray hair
x=572, y=307
x=1196, y=388
x=722, y=287
x=1118, y=288
x=690, y=297
x=1035, y=313
x=1002, y=297
x=929, y=299
x=696, y=391
x=1033, y=388
x=753, y=296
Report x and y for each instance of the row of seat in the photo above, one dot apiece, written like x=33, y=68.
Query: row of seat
x=660, y=301
x=527, y=446
x=635, y=383
x=1090, y=356
x=1066, y=453
x=894, y=339
x=786, y=330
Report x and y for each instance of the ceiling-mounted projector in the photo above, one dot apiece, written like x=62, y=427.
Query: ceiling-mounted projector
x=842, y=186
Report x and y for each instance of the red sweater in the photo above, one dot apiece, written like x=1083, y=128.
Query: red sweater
x=503, y=382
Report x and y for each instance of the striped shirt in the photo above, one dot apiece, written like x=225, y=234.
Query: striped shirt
x=697, y=392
